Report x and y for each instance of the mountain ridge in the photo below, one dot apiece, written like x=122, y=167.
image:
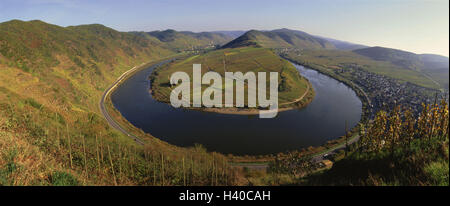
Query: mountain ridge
x=185, y=40
x=432, y=66
x=279, y=38
x=344, y=45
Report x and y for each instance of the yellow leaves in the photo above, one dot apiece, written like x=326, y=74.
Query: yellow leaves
x=400, y=127
x=75, y=108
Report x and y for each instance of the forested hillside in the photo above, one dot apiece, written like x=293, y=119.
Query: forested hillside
x=51, y=130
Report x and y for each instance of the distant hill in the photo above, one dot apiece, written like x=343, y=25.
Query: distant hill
x=232, y=34
x=434, y=62
x=398, y=57
x=280, y=38
x=36, y=45
x=186, y=40
x=437, y=67
x=432, y=66
x=343, y=45
x=428, y=69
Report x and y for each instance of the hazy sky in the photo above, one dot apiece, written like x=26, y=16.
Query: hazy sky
x=420, y=26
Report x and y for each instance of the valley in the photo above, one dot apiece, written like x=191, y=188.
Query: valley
x=333, y=95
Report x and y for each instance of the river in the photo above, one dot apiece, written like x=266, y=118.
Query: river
x=322, y=120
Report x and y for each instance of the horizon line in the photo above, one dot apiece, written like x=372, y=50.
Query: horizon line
x=225, y=30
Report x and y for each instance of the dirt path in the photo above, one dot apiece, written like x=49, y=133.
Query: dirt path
x=298, y=99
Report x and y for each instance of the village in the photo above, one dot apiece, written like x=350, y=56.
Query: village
x=385, y=92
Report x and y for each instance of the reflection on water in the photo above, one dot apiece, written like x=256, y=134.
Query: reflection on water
x=322, y=120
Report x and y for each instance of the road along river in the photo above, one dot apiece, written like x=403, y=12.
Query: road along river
x=322, y=120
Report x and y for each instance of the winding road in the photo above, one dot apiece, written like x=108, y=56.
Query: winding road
x=108, y=91
x=315, y=157
x=104, y=111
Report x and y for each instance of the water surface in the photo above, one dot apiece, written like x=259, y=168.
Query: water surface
x=322, y=120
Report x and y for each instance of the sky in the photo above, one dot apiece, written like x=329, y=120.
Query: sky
x=419, y=26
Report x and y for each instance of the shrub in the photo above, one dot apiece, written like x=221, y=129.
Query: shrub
x=63, y=179
x=438, y=173
x=33, y=103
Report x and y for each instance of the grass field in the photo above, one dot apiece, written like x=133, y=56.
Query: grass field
x=291, y=84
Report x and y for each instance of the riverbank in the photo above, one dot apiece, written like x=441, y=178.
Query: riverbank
x=116, y=120
x=294, y=91
x=298, y=103
x=232, y=158
x=367, y=105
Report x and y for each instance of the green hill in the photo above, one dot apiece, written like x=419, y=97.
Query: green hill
x=185, y=40
x=437, y=67
x=51, y=128
x=291, y=85
x=425, y=70
x=343, y=45
x=434, y=67
x=36, y=44
x=232, y=34
x=329, y=60
x=281, y=38
x=398, y=57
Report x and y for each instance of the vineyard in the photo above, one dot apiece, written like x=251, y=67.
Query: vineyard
x=399, y=128
x=51, y=130
x=73, y=154
x=396, y=149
